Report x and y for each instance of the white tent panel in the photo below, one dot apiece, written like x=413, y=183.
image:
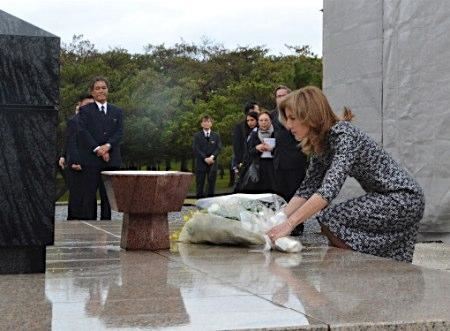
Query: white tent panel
x=388, y=60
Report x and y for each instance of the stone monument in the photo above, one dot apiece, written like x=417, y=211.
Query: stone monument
x=29, y=74
x=146, y=198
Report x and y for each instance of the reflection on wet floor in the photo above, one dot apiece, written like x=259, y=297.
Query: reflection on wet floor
x=91, y=283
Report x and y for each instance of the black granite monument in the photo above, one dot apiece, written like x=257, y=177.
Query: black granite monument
x=29, y=76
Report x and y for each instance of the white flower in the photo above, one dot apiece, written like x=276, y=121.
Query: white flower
x=214, y=208
x=254, y=213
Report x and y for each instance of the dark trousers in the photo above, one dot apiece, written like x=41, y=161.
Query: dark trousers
x=94, y=183
x=79, y=207
x=105, y=208
x=211, y=174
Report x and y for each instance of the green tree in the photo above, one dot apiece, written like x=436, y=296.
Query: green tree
x=165, y=91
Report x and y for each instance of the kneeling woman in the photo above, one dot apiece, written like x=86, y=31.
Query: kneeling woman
x=382, y=222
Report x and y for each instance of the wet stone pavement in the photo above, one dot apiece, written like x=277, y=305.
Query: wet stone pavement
x=92, y=284
x=428, y=253
x=61, y=213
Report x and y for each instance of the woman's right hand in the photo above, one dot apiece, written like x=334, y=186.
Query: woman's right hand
x=281, y=230
x=62, y=162
x=263, y=147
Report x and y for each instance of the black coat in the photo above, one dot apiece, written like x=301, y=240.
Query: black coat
x=71, y=146
x=96, y=129
x=203, y=148
x=267, y=180
x=240, y=134
x=289, y=162
x=287, y=153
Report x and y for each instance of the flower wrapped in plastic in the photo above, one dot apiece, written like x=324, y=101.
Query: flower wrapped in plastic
x=238, y=219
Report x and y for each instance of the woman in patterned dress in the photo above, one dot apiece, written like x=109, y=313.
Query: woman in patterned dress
x=382, y=222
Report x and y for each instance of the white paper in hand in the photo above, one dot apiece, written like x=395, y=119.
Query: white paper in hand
x=271, y=143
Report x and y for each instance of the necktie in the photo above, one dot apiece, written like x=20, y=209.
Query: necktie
x=102, y=108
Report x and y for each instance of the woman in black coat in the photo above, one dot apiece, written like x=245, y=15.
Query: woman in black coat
x=260, y=146
x=240, y=134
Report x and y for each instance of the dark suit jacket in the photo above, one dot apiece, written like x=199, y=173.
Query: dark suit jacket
x=287, y=153
x=71, y=147
x=96, y=129
x=203, y=148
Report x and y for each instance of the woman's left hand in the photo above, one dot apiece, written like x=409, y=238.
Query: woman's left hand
x=259, y=148
x=267, y=147
x=282, y=230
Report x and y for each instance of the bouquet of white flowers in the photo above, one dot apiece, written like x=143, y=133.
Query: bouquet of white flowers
x=239, y=219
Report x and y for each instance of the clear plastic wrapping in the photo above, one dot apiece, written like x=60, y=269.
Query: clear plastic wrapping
x=238, y=219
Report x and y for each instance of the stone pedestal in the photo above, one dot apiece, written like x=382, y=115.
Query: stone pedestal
x=145, y=198
x=29, y=77
x=145, y=231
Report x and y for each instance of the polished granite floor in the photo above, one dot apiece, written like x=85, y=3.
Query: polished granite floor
x=91, y=284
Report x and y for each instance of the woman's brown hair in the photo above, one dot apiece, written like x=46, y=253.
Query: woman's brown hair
x=310, y=106
x=265, y=111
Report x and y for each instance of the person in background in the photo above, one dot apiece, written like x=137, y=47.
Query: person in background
x=70, y=161
x=289, y=161
x=101, y=130
x=260, y=152
x=206, y=147
x=239, y=137
x=382, y=222
x=252, y=124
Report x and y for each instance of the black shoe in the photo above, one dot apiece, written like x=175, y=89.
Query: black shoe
x=298, y=230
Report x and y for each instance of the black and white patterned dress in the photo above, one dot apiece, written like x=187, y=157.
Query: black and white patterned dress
x=384, y=221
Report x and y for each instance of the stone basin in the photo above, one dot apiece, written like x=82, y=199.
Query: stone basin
x=145, y=198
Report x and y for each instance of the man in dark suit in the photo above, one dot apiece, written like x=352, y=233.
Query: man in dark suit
x=100, y=130
x=289, y=161
x=70, y=162
x=206, y=147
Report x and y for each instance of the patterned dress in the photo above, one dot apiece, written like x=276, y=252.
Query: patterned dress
x=384, y=221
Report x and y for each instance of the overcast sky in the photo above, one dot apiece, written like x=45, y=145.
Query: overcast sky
x=132, y=24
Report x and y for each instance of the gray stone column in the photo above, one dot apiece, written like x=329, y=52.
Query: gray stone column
x=29, y=75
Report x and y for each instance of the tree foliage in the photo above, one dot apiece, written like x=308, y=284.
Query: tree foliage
x=165, y=91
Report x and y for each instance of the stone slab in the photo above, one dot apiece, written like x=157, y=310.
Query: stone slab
x=199, y=287
x=29, y=96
